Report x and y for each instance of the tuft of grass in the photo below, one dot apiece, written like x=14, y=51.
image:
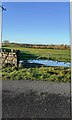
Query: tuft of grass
x=53, y=74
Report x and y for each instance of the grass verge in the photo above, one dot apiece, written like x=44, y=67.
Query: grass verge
x=52, y=74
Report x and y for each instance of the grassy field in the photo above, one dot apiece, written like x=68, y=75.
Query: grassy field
x=53, y=74
x=36, y=53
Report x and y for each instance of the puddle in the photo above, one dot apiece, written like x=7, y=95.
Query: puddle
x=50, y=63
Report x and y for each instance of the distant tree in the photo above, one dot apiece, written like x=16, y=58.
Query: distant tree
x=5, y=41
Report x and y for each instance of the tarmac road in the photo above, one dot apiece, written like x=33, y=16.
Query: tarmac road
x=35, y=99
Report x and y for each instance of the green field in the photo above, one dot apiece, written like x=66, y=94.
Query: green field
x=36, y=53
x=52, y=74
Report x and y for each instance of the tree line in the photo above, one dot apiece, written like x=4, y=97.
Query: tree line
x=61, y=46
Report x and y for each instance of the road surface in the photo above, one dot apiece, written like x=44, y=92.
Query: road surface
x=35, y=99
